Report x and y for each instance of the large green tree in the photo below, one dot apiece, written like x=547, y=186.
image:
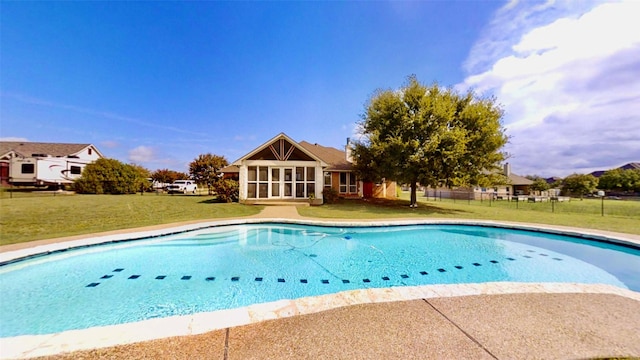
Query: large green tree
x=110, y=176
x=621, y=180
x=205, y=169
x=539, y=184
x=166, y=176
x=429, y=135
x=579, y=184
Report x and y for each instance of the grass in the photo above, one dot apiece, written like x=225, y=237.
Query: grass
x=28, y=218
x=620, y=216
x=32, y=218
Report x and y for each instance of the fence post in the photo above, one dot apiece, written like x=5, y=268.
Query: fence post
x=602, y=207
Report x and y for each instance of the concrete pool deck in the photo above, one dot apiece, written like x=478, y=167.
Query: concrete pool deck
x=493, y=320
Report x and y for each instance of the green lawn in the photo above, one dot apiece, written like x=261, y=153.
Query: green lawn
x=29, y=218
x=620, y=216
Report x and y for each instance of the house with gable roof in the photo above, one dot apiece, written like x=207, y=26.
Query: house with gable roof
x=282, y=169
x=25, y=163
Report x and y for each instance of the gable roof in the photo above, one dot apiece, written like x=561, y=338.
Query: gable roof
x=230, y=169
x=631, y=166
x=336, y=159
x=268, y=144
x=27, y=148
x=628, y=166
x=519, y=180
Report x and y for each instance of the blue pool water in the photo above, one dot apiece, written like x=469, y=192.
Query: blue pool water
x=233, y=266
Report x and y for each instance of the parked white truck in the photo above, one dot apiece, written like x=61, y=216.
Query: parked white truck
x=182, y=186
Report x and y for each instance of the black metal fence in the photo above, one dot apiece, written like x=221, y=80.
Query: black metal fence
x=628, y=206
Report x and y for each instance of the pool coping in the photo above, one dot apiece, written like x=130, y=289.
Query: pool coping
x=27, y=346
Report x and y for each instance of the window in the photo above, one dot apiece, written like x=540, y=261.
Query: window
x=251, y=190
x=353, y=188
x=348, y=183
x=89, y=151
x=28, y=168
x=343, y=182
x=75, y=170
x=257, y=182
x=275, y=182
x=253, y=170
x=327, y=179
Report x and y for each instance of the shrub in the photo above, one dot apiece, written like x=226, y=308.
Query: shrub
x=330, y=195
x=110, y=176
x=227, y=190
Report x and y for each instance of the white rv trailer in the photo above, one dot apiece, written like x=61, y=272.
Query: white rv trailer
x=44, y=164
x=45, y=170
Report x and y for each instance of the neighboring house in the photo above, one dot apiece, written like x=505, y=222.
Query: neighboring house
x=231, y=172
x=282, y=169
x=517, y=185
x=628, y=166
x=25, y=163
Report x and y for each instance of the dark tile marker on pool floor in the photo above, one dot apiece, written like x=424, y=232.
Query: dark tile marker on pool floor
x=404, y=276
x=93, y=285
x=186, y=277
x=345, y=281
x=385, y=278
x=493, y=261
x=161, y=277
x=304, y=281
x=210, y=278
x=134, y=277
x=366, y=280
x=258, y=279
x=477, y=264
x=235, y=278
x=458, y=267
x=424, y=273
x=281, y=280
x=106, y=277
x=442, y=270
x=118, y=270
x=325, y=281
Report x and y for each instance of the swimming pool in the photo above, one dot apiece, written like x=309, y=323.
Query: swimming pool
x=233, y=266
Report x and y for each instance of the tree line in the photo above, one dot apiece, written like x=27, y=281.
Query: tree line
x=615, y=180
x=110, y=176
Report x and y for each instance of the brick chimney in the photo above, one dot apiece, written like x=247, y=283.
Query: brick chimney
x=507, y=169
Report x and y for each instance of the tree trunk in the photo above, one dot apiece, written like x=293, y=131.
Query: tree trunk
x=414, y=200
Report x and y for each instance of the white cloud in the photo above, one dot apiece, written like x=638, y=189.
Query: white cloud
x=142, y=154
x=568, y=80
x=16, y=139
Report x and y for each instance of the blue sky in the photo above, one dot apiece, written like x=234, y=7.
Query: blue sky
x=158, y=83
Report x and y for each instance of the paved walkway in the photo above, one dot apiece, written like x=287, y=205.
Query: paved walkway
x=514, y=326
x=504, y=326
